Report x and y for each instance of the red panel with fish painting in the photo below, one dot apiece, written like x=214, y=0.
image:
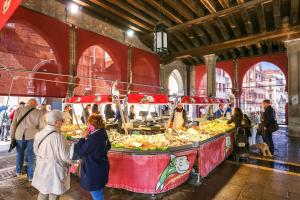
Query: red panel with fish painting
x=151, y=174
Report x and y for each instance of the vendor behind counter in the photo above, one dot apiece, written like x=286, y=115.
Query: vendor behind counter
x=178, y=118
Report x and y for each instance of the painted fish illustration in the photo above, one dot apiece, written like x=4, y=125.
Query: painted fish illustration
x=177, y=165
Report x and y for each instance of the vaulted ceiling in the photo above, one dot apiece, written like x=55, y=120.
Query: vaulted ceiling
x=228, y=28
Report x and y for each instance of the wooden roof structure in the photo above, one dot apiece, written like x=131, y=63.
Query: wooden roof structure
x=229, y=28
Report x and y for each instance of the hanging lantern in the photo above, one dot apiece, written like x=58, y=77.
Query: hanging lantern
x=160, y=39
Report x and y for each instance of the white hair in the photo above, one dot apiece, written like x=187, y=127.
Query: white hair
x=53, y=116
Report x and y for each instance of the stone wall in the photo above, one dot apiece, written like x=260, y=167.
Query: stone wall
x=83, y=20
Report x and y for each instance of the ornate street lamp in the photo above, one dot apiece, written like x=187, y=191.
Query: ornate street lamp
x=160, y=39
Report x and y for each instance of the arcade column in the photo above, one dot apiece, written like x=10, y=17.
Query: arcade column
x=210, y=64
x=236, y=87
x=293, y=51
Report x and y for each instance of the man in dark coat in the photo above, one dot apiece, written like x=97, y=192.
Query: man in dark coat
x=269, y=123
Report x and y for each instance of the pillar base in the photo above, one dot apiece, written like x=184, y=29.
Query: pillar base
x=294, y=126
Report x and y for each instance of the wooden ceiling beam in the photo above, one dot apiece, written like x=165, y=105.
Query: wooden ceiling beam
x=261, y=17
x=211, y=32
x=177, y=43
x=168, y=13
x=98, y=11
x=141, y=5
x=194, y=6
x=294, y=11
x=103, y=4
x=277, y=13
x=194, y=39
x=220, y=13
x=176, y=5
x=184, y=40
x=224, y=3
x=222, y=28
x=200, y=33
x=128, y=8
x=209, y=5
x=234, y=26
x=247, y=21
x=277, y=35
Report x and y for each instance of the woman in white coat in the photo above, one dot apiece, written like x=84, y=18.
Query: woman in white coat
x=51, y=176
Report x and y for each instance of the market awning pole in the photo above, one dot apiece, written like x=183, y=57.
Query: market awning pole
x=75, y=117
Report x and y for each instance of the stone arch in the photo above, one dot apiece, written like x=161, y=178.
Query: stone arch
x=168, y=69
x=176, y=76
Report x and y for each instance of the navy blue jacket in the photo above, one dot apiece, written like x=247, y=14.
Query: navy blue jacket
x=95, y=167
x=269, y=117
x=219, y=113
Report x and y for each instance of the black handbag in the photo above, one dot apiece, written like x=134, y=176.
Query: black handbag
x=273, y=127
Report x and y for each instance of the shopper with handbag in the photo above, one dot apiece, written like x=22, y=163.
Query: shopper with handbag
x=93, y=148
x=26, y=123
x=240, y=120
x=269, y=124
x=51, y=175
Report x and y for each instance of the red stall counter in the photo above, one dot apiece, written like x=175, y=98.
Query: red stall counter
x=210, y=155
x=150, y=174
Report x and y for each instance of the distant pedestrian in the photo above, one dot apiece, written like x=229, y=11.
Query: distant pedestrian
x=51, y=176
x=269, y=124
x=95, y=109
x=26, y=123
x=85, y=114
x=131, y=113
x=108, y=112
x=93, y=147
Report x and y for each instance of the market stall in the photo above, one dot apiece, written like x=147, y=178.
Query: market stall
x=74, y=130
x=157, y=163
x=150, y=122
x=212, y=153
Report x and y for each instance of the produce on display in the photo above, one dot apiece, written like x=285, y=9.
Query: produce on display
x=72, y=131
x=171, y=138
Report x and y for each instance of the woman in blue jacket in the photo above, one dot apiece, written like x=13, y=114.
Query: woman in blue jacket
x=93, y=147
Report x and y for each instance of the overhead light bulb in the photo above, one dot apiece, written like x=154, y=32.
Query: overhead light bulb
x=73, y=8
x=130, y=33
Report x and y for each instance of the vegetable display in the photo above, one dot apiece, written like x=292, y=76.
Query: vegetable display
x=171, y=138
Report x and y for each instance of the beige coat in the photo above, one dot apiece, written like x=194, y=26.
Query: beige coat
x=32, y=124
x=51, y=174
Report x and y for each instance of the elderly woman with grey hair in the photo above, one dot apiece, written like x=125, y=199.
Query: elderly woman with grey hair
x=51, y=176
